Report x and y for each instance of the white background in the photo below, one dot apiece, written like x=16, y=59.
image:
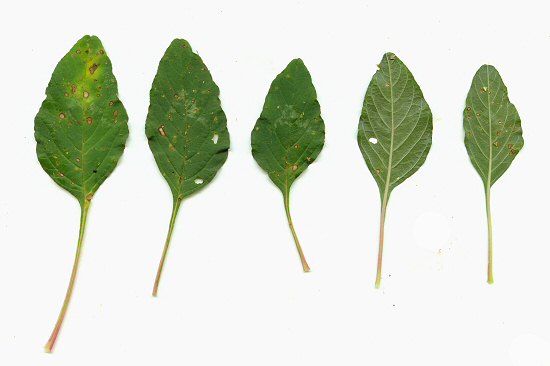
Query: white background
x=233, y=292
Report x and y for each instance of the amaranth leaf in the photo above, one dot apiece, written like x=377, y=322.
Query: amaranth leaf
x=80, y=130
x=493, y=135
x=290, y=133
x=395, y=132
x=186, y=127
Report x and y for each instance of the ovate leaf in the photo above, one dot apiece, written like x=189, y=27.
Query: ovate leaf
x=493, y=135
x=290, y=133
x=395, y=131
x=80, y=130
x=186, y=127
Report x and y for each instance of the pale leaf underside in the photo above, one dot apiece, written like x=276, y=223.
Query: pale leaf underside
x=493, y=134
x=395, y=129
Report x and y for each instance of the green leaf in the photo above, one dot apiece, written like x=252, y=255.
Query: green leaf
x=186, y=127
x=80, y=130
x=493, y=135
x=290, y=133
x=395, y=131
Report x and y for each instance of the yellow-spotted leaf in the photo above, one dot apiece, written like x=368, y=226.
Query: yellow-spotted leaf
x=80, y=130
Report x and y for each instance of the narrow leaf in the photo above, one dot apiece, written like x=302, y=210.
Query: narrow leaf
x=493, y=135
x=290, y=133
x=80, y=130
x=395, y=132
x=186, y=127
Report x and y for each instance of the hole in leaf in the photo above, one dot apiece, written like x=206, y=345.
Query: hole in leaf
x=373, y=140
x=199, y=181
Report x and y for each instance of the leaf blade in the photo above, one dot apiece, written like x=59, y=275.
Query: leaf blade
x=186, y=127
x=493, y=136
x=395, y=126
x=289, y=135
x=81, y=128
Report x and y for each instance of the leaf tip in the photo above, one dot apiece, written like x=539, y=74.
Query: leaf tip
x=297, y=62
x=90, y=39
x=488, y=68
x=180, y=42
x=390, y=56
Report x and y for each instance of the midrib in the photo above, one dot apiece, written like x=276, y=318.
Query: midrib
x=388, y=175
x=83, y=124
x=490, y=133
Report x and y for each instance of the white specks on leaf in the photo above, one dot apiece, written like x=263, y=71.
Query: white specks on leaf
x=215, y=138
x=373, y=140
x=199, y=181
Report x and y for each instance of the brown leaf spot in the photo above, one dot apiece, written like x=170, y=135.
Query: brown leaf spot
x=296, y=146
x=115, y=114
x=62, y=115
x=89, y=120
x=294, y=167
x=73, y=88
x=161, y=131
x=86, y=95
x=93, y=68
